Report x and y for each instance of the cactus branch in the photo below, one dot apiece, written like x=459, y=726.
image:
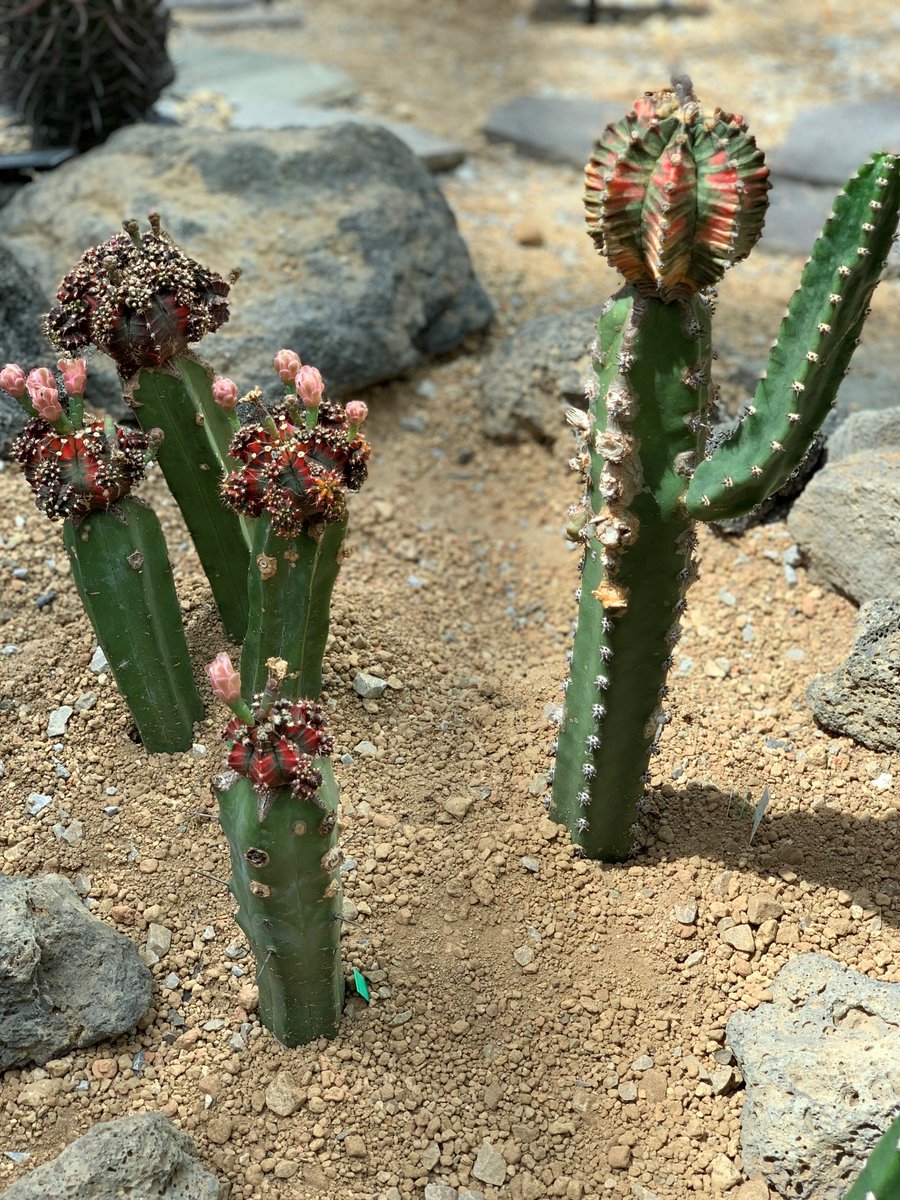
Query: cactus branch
x=812, y=354
x=880, y=1177
x=122, y=573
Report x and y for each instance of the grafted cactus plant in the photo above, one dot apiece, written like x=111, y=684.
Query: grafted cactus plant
x=278, y=808
x=82, y=470
x=298, y=461
x=674, y=197
x=143, y=302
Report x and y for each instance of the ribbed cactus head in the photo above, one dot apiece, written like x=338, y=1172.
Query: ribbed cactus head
x=277, y=748
x=673, y=195
x=72, y=474
x=138, y=298
x=297, y=475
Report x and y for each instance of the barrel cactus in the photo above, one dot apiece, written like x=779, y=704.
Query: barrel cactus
x=76, y=70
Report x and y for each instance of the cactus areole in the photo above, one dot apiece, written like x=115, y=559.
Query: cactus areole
x=674, y=197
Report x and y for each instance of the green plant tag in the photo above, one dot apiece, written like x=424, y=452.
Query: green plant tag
x=360, y=984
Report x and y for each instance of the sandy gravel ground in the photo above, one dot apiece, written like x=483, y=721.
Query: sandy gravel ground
x=554, y=1008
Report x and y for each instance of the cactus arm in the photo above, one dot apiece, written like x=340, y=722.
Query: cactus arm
x=652, y=385
x=290, y=585
x=122, y=573
x=286, y=880
x=880, y=1178
x=192, y=460
x=815, y=344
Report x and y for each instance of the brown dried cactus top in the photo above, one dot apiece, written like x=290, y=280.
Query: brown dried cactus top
x=138, y=298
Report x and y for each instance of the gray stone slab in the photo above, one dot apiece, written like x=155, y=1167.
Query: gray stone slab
x=554, y=128
x=242, y=76
x=826, y=145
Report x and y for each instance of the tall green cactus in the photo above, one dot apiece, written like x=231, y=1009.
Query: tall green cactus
x=82, y=470
x=278, y=807
x=880, y=1177
x=674, y=197
x=297, y=462
x=143, y=302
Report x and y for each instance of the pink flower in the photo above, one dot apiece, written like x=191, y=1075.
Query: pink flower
x=225, y=681
x=41, y=387
x=225, y=392
x=310, y=386
x=12, y=380
x=287, y=364
x=357, y=411
x=74, y=373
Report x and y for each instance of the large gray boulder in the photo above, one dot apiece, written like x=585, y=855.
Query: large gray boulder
x=821, y=1065
x=861, y=698
x=348, y=250
x=864, y=431
x=142, y=1157
x=66, y=979
x=847, y=523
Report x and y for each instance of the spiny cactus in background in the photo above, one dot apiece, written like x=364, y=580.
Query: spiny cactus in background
x=674, y=197
x=76, y=70
x=143, y=302
x=880, y=1177
x=82, y=470
x=298, y=461
x=278, y=808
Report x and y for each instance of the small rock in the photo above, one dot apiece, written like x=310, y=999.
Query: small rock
x=430, y=1157
x=741, y=938
x=723, y=1174
x=644, y=1063
x=686, y=913
x=761, y=907
x=37, y=803
x=355, y=1146
x=440, y=1191
x=490, y=1165
x=282, y=1096
x=458, y=806
x=524, y=956
x=627, y=1092
x=721, y=1080
x=531, y=864
x=369, y=687
x=527, y=233
x=219, y=1129
x=619, y=1157
x=365, y=750
x=86, y=702
x=99, y=662
x=753, y=1189
x=159, y=940
x=59, y=719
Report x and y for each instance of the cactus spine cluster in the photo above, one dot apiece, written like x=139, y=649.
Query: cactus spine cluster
x=81, y=470
x=77, y=70
x=675, y=196
x=143, y=302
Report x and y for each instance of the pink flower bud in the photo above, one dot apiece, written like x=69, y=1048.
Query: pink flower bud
x=310, y=386
x=12, y=380
x=225, y=392
x=357, y=411
x=225, y=681
x=41, y=387
x=74, y=373
x=287, y=364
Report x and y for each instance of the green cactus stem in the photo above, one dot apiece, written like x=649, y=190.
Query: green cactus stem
x=179, y=401
x=81, y=470
x=143, y=302
x=674, y=197
x=880, y=1177
x=290, y=585
x=122, y=573
x=278, y=808
x=297, y=463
